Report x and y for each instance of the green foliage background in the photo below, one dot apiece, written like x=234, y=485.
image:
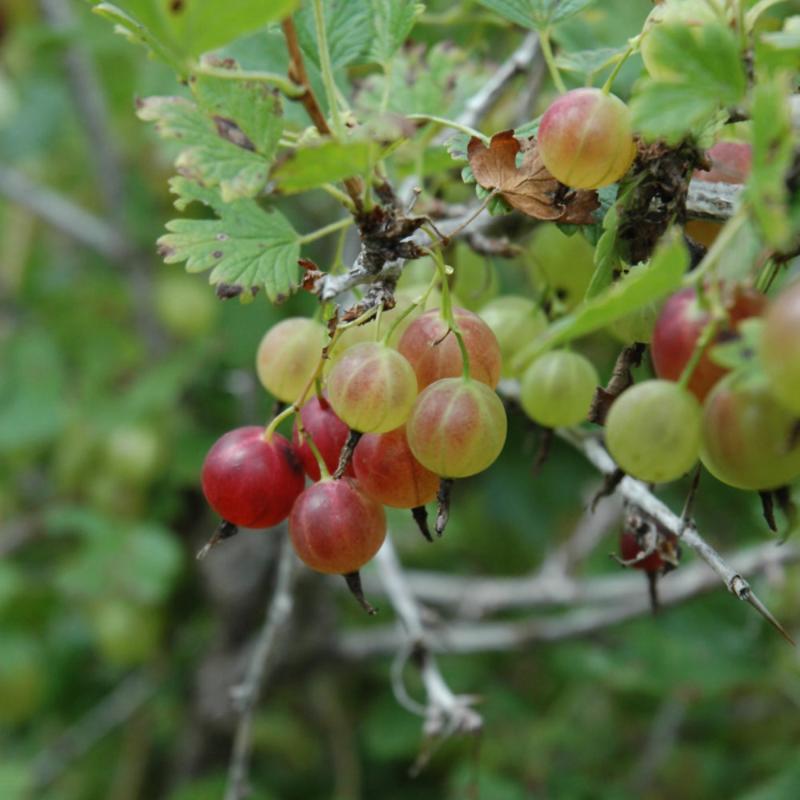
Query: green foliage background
x=102, y=434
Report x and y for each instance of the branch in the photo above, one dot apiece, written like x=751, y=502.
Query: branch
x=637, y=493
x=114, y=710
x=298, y=73
x=91, y=108
x=630, y=603
x=64, y=215
x=246, y=694
x=445, y=713
x=714, y=201
x=517, y=63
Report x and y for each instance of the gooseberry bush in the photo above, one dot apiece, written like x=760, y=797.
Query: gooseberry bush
x=491, y=239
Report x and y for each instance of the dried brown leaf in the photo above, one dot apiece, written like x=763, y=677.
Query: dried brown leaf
x=529, y=188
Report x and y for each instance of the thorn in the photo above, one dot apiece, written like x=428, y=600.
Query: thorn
x=420, y=514
x=353, y=580
x=610, y=483
x=543, y=451
x=750, y=597
x=224, y=531
x=443, y=505
x=688, y=506
x=347, y=453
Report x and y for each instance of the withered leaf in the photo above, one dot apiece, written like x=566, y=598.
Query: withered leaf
x=529, y=188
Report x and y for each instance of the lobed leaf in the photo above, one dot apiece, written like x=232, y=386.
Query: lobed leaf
x=246, y=247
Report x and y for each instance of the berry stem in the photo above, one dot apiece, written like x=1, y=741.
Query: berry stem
x=703, y=341
x=273, y=425
x=447, y=309
x=547, y=53
x=324, y=473
x=339, y=225
x=613, y=76
x=449, y=123
x=420, y=301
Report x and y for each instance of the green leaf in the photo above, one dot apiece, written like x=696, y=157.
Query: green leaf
x=606, y=256
x=192, y=27
x=144, y=27
x=392, y=21
x=32, y=391
x=773, y=147
x=229, y=143
x=643, y=285
x=536, y=14
x=316, y=164
x=589, y=62
x=700, y=70
x=246, y=247
x=348, y=29
x=438, y=82
x=742, y=350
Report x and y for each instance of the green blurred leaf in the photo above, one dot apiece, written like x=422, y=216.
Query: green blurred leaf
x=700, y=70
x=177, y=29
x=536, y=14
x=246, y=247
x=588, y=62
x=323, y=162
x=437, y=82
x=32, y=409
x=643, y=285
x=392, y=21
x=347, y=28
x=773, y=148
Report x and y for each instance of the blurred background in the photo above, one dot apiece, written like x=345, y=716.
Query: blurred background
x=118, y=649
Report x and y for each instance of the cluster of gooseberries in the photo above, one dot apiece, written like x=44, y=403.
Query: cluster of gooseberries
x=392, y=420
x=384, y=426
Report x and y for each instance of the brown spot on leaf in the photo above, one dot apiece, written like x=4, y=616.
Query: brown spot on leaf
x=176, y=6
x=164, y=250
x=529, y=188
x=217, y=254
x=229, y=130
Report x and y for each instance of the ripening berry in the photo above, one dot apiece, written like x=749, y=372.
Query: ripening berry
x=749, y=439
x=372, y=388
x=335, y=528
x=653, y=431
x=681, y=323
x=780, y=347
x=557, y=389
x=457, y=428
x=585, y=139
x=288, y=356
x=250, y=481
x=388, y=472
x=434, y=353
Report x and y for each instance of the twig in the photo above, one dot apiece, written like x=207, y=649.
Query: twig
x=518, y=62
x=111, y=712
x=612, y=601
x=91, y=108
x=64, y=215
x=246, y=694
x=637, y=493
x=445, y=712
x=714, y=201
x=298, y=73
